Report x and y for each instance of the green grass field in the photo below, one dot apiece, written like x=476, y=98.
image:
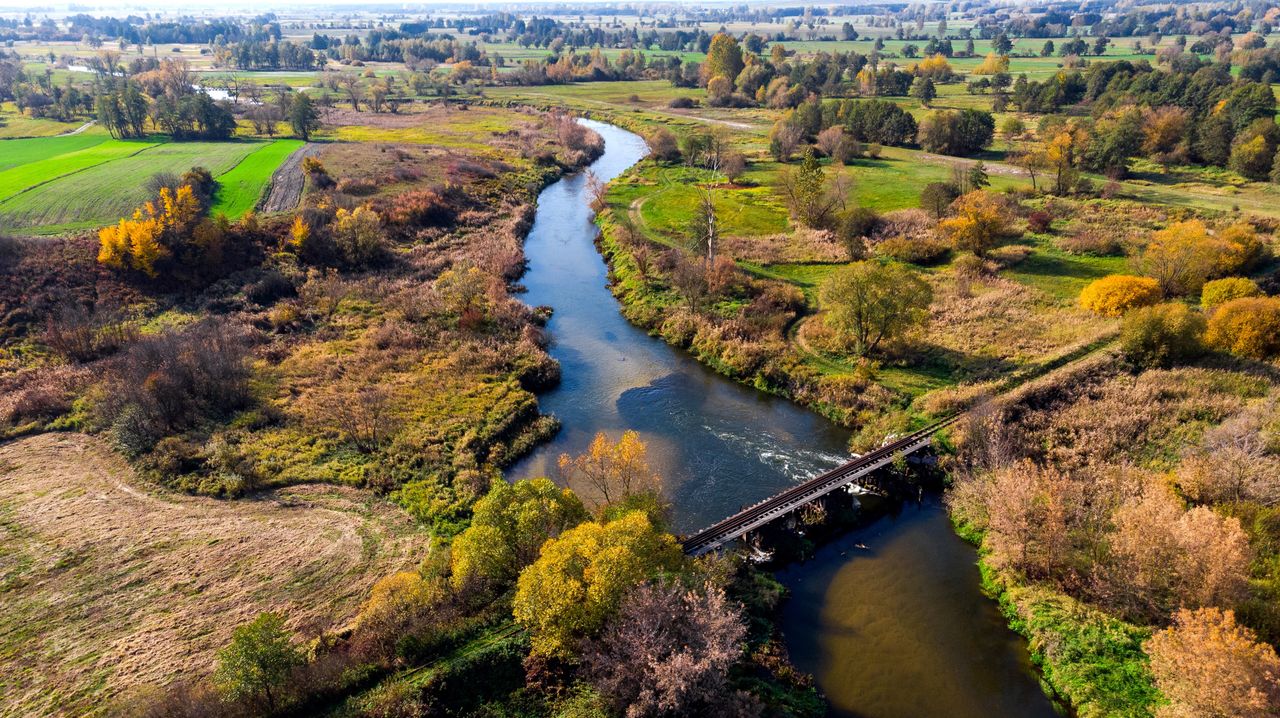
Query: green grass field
x=20, y=152
x=240, y=188
x=95, y=186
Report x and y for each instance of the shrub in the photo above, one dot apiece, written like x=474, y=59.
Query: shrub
x=1221, y=291
x=663, y=145
x=357, y=187
x=1090, y=241
x=1162, y=335
x=421, y=208
x=1039, y=222
x=926, y=250
x=682, y=103
x=1116, y=294
x=169, y=382
x=1249, y=327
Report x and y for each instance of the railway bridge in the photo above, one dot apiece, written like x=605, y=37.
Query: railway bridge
x=740, y=524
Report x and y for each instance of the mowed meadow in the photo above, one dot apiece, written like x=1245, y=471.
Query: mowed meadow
x=51, y=185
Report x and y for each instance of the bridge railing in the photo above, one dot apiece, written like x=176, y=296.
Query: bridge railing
x=788, y=500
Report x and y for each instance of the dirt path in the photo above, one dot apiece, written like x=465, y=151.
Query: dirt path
x=79, y=129
x=106, y=585
x=287, y=182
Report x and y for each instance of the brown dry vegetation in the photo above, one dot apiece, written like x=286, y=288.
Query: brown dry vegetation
x=107, y=585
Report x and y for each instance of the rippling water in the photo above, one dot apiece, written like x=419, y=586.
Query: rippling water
x=898, y=628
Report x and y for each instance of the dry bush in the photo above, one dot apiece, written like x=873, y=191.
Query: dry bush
x=1206, y=664
x=357, y=187
x=81, y=335
x=168, y=382
x=926, y=250
x=40, y=394
x=1091, y=241
x=910, y=223
x=421, y=208
x=804, y=244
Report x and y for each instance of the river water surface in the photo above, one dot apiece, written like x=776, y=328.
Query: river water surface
x=898, y=628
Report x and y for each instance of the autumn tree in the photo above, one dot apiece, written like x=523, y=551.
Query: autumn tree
x=258, y=661
x=1062, y=154
x=980, y=220
x=724, y=58
x=663, y=145
x=669, y=652
x=1206, y=664
x=1182, y=256
x=868, y=303
x=357, y=234
x=610, y=474
x=400, y=607
x=580, y=578
x=1248, y=327
x=508, y=527
x=1115, y=294
x=1163, y=556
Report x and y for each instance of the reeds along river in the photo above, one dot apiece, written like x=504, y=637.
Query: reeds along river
x=898, y=628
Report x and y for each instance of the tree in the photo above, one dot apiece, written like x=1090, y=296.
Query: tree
x=733, y=165
x=669, y=652
x=923, y=90
x=1248, y=327
x=937, y=197
x=1253, y=149
x=784, y=138
x=581, y=577
x=358, y=235
x=612, y=474
x=979, y=223
x=867, y=303
x=1206, y=664
x=258, y=660
x=1163, y=556
x=811, y=198
x=1162, y=335
x=663, y=145
x=304, y=118
x=832, y=142
x=724, y=58
x=508, y=527
x=956, y=132
x=1182, y=256
x=1115, y=294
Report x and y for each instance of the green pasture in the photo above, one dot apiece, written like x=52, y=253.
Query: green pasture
x=15, y=125
x=25, y=151
x=97, y=185
x=240, y=188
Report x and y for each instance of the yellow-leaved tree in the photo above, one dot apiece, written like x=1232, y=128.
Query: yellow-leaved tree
x=994, y=63
x=1249, y=327
x=980, y=221
x=580, y=577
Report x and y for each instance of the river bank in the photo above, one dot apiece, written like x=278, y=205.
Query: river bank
x=720, y=444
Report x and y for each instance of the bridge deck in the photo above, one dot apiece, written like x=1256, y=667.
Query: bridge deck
x=782, y=503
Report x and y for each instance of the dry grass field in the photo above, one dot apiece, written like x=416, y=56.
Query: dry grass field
x=106, y=586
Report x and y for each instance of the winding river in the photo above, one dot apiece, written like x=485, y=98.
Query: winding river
x=890, y=619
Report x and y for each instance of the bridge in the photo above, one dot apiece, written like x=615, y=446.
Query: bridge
x=780, y=504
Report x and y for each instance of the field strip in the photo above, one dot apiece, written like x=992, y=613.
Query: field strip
x=242, y=187
x=6, y=178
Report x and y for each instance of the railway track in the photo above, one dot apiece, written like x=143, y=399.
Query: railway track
x=782, y=503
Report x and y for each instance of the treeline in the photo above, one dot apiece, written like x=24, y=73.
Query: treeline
x=36, y=94
x=1194, y=112
x=167, y=98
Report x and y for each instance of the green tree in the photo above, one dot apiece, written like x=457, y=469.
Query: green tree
x=581, y=577
x=509, y=525
x=258, y=661
x=724, y=58
x=868, y=303
x=303, y=116
x=1162, y=335
x=811, y=198
x=923, y=90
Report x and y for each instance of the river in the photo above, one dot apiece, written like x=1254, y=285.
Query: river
x=898, y=628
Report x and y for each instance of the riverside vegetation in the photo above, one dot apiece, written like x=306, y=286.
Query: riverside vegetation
x=1061, y=221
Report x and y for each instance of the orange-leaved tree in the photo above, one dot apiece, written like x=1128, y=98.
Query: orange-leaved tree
x=141, y=242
